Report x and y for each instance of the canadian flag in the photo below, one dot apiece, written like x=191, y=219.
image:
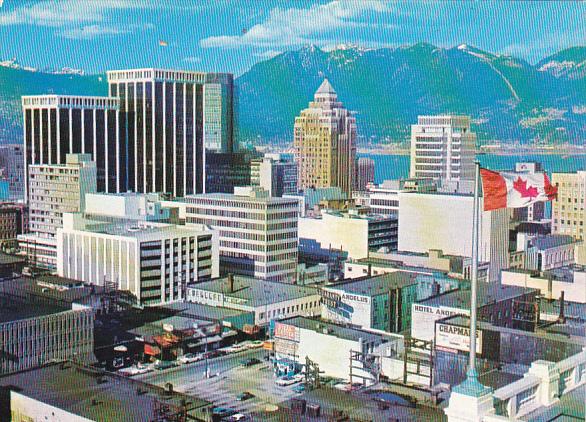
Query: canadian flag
x=515, y=190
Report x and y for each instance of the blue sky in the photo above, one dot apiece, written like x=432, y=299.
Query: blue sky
x=231, y=35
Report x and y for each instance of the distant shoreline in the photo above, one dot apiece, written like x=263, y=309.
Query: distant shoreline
x=499, y=151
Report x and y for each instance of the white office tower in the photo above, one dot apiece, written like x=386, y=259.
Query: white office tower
x=443, y=147
x=130, y=245
x=444, y=221
x=53, y=190
x=57, y=125
x=274, y=174
x=364, y=173
x=257, y=233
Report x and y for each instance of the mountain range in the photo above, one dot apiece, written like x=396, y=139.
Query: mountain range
x=509, y=99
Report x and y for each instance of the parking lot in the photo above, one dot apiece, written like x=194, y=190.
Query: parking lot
x=229, y=379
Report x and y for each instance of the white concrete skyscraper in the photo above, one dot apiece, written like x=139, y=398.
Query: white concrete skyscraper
x=443, y=147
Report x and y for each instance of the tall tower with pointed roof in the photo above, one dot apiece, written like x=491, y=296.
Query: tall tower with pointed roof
x=325, y=142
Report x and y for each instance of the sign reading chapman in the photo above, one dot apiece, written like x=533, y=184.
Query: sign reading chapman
x=453, y=337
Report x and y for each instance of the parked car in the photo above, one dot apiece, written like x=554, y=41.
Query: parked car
x=287, y=380
x=249, y=362
x=256, y=344
x=300, y=388
x=190, y=358
x=135, y=370
x=238, y=417
x=164, y=364
x=244, y=396
x=223, y=412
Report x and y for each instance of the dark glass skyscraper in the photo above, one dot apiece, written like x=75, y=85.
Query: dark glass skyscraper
x=168, y=118
x=57, y=125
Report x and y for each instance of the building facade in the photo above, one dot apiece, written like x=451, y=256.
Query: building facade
x=153, y=261
x=568, y=210
x=352, y=231
x=57, y=125
x=167, y=120
x=12, y=170
x=381, y=302
x=257, y=234
x=443, y=147
x=13, y=221
x=325, y=142
x=364, y=173
x=36, y=336
x=54, y=189
x=268, y=301
x=444, y=221
x=274, y=174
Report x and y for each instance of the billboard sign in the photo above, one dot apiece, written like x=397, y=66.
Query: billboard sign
x=456, y=338
x=286, y=331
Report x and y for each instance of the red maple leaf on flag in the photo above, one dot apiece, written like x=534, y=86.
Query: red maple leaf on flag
x=520, y=186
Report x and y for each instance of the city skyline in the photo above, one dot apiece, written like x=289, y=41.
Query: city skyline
x=236, y=35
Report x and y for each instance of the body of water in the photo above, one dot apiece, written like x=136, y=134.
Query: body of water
x=388, y=167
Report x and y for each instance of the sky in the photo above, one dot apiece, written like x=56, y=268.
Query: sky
x=232, y=35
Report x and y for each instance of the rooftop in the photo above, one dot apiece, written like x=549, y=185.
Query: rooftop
x=373, y=286
x=255, y=292
x=340, y=331
x=552, y=241
x=190, y=199
x=487, y=293
x=96, y=395
x=207, y=312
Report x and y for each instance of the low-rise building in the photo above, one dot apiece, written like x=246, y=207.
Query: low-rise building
x=352, y=354
x=268, y=300
x=569, y=281
x=381, y=302
x=34, y=331
x=13, y=221
x=505, y=306
x=547, y=252
x=82, y=394
x=453, y=265
x=311, y=200
x=355, y=231
x=153, y=261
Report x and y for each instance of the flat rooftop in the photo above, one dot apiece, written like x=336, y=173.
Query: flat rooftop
x=197, y=310
x=373, y=286
x=13, y=309
x=60, y=290
x=141, y=230
x=190, y=199
x=96, y=395
x=255, y=292
x=11, y=259
x=340, y=331
x=487, y=293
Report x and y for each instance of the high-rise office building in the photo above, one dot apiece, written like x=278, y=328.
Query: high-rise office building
x=569, y=209
x=53, y=190
x=57, y=125
x=443, y=147
x=274, y=174
x=364, y=173
x=257, y=233
x=168, y=119
x=324, y=141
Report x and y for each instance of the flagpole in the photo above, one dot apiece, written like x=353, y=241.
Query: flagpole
x=474, y=282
